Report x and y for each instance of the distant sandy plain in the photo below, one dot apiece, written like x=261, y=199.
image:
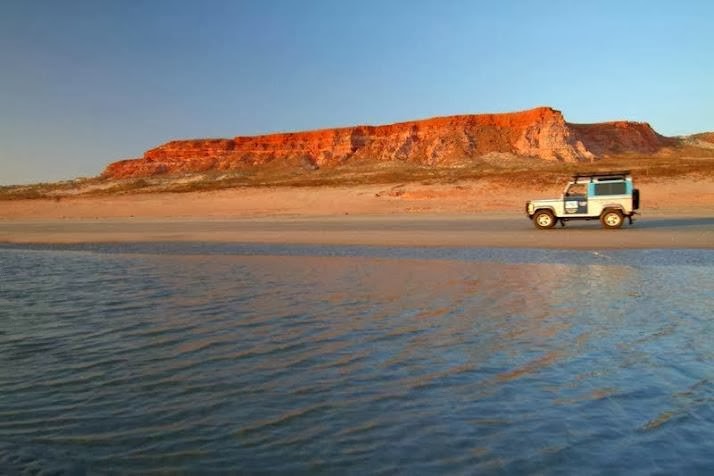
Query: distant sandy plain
x=676, y=213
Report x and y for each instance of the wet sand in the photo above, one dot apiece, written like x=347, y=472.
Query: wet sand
x=482, y=230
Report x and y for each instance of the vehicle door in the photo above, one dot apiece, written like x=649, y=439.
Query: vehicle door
x=575, y=201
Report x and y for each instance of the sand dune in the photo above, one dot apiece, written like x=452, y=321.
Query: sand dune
x=673, y=197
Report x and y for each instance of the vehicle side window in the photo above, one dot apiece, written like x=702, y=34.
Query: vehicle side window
x=612, y=188
x=577, y=189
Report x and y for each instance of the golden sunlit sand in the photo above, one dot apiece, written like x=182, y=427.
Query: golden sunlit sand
x=675, y=213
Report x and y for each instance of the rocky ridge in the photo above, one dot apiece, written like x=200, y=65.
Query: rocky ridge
x=541, y=133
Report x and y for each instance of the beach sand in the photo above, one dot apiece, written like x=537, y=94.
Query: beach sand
x=674, y=214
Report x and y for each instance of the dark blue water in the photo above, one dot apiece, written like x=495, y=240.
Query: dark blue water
x=199, y=358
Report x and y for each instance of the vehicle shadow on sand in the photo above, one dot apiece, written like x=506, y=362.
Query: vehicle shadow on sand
x=674, y=222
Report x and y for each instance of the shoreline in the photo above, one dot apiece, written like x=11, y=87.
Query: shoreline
x=470, y=231
x=674, y=214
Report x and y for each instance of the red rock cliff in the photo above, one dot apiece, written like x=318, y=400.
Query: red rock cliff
x=608, y=138
x=540, y=133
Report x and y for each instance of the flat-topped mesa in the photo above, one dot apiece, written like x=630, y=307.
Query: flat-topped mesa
x=539, y=133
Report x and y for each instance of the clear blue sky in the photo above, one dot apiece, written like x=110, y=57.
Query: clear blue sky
x=87, y=82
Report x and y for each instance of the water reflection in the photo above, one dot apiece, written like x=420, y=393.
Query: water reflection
x=164, y=362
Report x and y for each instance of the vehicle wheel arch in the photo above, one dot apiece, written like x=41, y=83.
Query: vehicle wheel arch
x=548, y=208
x=614, y=207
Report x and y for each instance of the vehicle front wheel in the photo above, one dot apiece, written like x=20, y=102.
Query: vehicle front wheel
x=612, y=219
x=544, y=219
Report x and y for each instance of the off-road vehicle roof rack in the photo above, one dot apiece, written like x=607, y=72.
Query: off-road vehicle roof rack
x=612, y=174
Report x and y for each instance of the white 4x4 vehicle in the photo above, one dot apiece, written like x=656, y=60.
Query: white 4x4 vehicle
x=607, y=196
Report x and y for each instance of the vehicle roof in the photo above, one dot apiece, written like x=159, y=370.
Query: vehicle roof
x=611, y=174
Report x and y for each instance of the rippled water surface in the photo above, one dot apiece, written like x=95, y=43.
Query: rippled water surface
x=195, y=358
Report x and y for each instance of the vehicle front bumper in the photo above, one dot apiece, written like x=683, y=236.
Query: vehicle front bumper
x=529, y=209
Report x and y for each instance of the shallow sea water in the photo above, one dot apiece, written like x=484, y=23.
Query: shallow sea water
x=197, y=358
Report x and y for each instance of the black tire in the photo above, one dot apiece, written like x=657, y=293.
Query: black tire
x=544, y=219
x=612, y=219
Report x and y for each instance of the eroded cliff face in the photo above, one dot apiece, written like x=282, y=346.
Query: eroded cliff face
x=620, y=137
x=540, y=133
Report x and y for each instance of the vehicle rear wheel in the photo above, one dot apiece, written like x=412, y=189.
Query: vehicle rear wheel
x=612, y=219
x=544, y=219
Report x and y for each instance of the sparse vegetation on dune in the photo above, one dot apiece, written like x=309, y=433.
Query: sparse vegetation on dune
x=502, y=169
x=55, y=190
